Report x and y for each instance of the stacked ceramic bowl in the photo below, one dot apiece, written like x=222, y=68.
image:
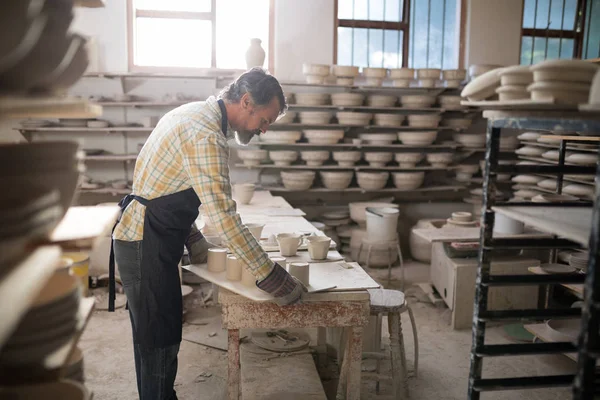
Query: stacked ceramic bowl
x=280, y=137
x=283, y=157
x=422, y=138
x=346, y=158
x=374, y=76
x=323, y=136
x=336, y=180
x=457, y=123
x=413, y=101
x=297, y=180
x=315, y=73
x=252, y=157
x=353, y=118
x=513, y=82
x=424, y=120
x=579, y=260
x=449, y=102
x=312, y=99
x=314, y=158
x=378, y=159
x=381, y=100
x=402, y=77
x=439, y=160
x=453, y=78
x=344, y=75
x=428, y=77
x=49, y=324
x=408, y=180
x=562, y=81
x=315, y=117
x=372, y=180
x=391, y=120
x=378, y=139
x=347, y=99
x=408, y=160
x=38, y=53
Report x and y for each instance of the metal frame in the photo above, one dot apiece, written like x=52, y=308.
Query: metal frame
x=584, y=381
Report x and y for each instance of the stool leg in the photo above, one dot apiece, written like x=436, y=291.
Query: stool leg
x=401, y=266
x=415, y=338
x=398, y=358
x=390, y=260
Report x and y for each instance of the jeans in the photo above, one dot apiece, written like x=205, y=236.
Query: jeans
x=155, y=368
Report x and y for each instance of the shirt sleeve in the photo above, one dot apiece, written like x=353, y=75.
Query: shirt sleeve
x=206, y=162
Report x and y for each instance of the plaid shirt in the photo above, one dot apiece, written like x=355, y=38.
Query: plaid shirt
x=188, y=149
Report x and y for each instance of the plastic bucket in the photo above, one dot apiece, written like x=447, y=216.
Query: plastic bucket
x=382, y=223
x=80, y=268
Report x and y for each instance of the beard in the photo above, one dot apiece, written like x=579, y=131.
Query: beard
x=244, y=137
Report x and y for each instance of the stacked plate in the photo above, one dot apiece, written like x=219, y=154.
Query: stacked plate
x=579, y=260
x=336, y=218
x=50, y=323
x=562, y=81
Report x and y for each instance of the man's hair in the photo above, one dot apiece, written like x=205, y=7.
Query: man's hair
x=259, y=84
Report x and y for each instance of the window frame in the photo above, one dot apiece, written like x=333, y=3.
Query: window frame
x=577, y=34
x=133, y=13
x=403, y=26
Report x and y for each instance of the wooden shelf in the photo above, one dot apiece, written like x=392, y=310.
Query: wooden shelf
x=301, y=126
x=144, y=103
x=112, y=157
x=573, y=223
x=89, y=3
x=21, y=285
x=519, y=105
x=86, y=129
x=359, y=190
x=47, y=107
x=82, y=225
x=399, y=110
x=541, y=331
x=556, y=146
x=573, y=138
x=355, y=167
x=350, y=146
x=209, y=74
x=575, y=288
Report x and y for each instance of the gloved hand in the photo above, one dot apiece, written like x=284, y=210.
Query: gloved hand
x=197, y=246
x=285, y=288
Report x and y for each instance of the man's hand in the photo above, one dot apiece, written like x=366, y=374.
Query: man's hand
x=197, y=247
x=285, y=288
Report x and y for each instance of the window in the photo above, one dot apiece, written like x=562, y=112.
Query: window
x=398, y=33
x=555, y=29
x=195, y=34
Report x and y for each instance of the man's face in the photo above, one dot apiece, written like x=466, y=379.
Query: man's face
x=256, y=119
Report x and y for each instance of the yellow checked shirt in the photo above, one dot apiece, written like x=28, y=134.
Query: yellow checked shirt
x=187, y=149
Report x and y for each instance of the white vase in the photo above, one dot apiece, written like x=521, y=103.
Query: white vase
x=255, y=55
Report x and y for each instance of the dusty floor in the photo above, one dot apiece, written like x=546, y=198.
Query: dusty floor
x=443, y=362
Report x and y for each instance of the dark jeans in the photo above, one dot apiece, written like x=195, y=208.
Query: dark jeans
x=155, y=368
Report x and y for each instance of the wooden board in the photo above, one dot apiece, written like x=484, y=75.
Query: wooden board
x=577, y=289
x=520, y=104
x=303, y=256
x=82, y=225
x=322, y=276
x=467, y=234
x=572, y=138
x=541, y=332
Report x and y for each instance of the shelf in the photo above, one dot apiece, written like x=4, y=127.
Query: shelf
x=112, y=157
x=350, y=146
x=575, y=288
x=89, y=3
x=573, y=138
x=86, y=129
x=399, y=110
x=355, y=168
x=359, y=87
x=82, y=225
x=210, y=74
x=359, y=190
x=105, y=190
x=47, y=107
x=571, y=223
x=556, y=146
x=144, y=103
x=519, y=105
x=542, y=332
x=300, y=126
x=21, y=285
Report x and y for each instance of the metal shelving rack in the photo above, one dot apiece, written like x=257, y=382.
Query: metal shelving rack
x=576, y=236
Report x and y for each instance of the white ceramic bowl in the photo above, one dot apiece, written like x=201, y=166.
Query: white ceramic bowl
x=516, y=75
x=372, y=180
x=312, y=99
x=374, y=72
x=449, y=101
x=428, y=73
x=314, y=158
x=417, y=101
x=283, y=157
x=402, y=73
x=454, y=74
x=562, y=92
x=287, y=118
x=344, y=81
x=314, y=79
x=297, y=180
x=439, y=159
x=323, y=136
x=457, y=123
x=417, y=138
x=373, y=81
x=345, y=71
x=564, y=71
x=408, y=160
x=346, y=158
x=315, y=117
x=424, y=120
x=378, y=159
x=512, y=92
x=382, y=119
x=353, y=118
x=280, y=137
x=403, y=83
x=336, y=180
x=347, y=99
x=470, y=139
x=315, y=69
x=408, y=180
x=379, y=139
x=482, y=87
x=381, y=100
x=426, y=83
x=252, y=157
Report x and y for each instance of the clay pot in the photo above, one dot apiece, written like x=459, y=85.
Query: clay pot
x=255, y=230
x=318, y=247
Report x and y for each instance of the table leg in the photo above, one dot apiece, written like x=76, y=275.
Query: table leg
x=233, y=372
x=343, y=380
x=353, y=362
x=322, y=347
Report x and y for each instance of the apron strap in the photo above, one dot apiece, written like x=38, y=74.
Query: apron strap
x=224, y=121
x=125, y=201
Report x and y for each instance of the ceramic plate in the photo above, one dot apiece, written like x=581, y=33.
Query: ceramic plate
x=530, y=151
x=527, y=179
x=557, y=268
x=582, y=159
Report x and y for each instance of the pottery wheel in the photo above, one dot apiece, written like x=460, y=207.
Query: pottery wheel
x=281, y=340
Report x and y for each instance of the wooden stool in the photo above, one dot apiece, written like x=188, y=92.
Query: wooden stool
x=393, y=303
x=391, y=247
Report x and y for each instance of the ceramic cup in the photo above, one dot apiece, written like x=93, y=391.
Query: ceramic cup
x=288, y=243
x=301, y=271
x=244, y=192
x=216, y=259
x=318, y=247
x=233, y=268
x=279, y=260
x=255, y=230
x=247, y=278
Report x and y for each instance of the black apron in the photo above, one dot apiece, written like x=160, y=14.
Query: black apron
x=167, y=224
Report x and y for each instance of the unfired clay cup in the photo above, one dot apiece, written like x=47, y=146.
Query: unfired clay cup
x=318, y=247
x=288, y=243
x=279, y=260
x=301, y=271
x=255, y=230
x=244, y=192
x=247, y=278
x=233, y=268
x=216, y=259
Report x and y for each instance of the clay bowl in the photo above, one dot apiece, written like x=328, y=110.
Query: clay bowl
x=408, y=180
x=252, y=157
x=423, y=138
x=345, y=71
x=408, y=160
x=314, y=158
x=454, y=74
x=336, y=180
x=380, y=100
x=470, y=140
x=315, y=117
x=372, y=180
x=450, y=102
x=424, y=120
x=315, y=69
x=287, y=118
x=353, y=118
x=439, y=159
x=312, y=99
x=347, y=99
x=417, y=101
x=388, y=119
x=428, y=73
x=323, y=136
x=346, y=158
x=378, y=139
x=283, y=157
x=374, y=72
x=297, y=180
x=378, y=159
x=402, y=73
x=280, y=137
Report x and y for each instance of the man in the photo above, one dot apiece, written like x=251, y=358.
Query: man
x=184, y=164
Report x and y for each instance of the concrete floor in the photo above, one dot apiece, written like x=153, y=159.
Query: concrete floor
x=443, y=362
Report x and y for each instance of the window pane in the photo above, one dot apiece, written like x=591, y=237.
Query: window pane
x=375, y=49
x=392, y=57
x=419, y=35
x=376, y=10
x=173, y=5
x=393, y=10
x=569, y=16
x=360, y=47
x=172, y=42
x=541, y=21
x=345, y=9
x=528, y=13
x=566, y=50
x=361, y=9
x=526, y=49
x=232, y=43
x=451, y=36
x=539, y=49
x=591, y=41
x=553, y=49
x=344, y=46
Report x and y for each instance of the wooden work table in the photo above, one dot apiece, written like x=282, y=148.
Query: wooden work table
x=349, y=310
